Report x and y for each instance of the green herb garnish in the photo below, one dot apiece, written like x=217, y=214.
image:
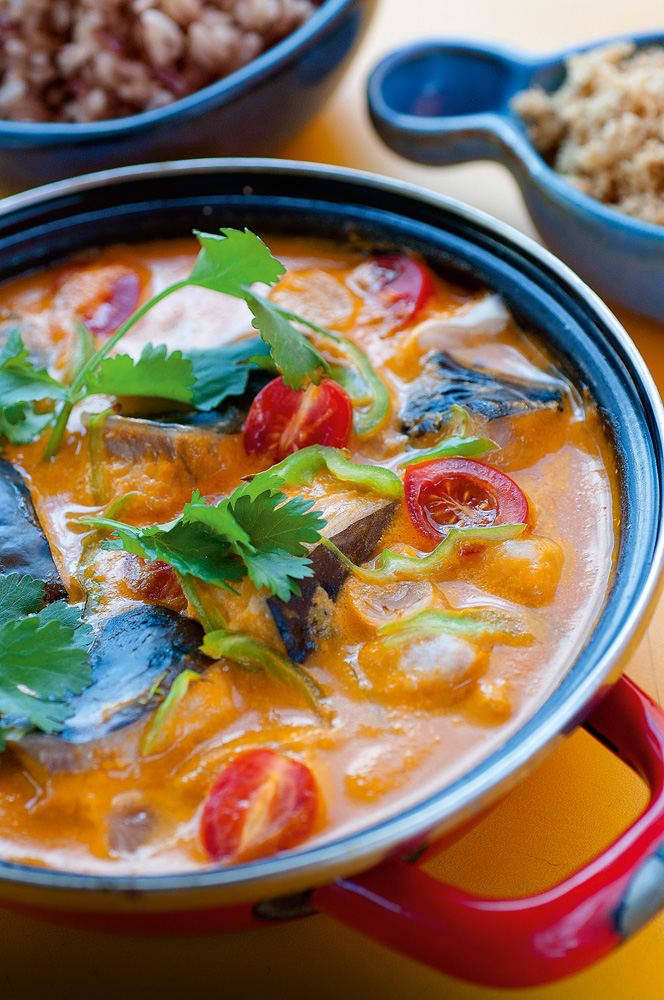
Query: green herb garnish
x=370, y=398
x=20, y=381
x=156, y=373
x=256, y=531
x=224, y=371
x=43, y=656
x=21, y=424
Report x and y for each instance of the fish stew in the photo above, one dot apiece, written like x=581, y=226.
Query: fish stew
x=252, y=661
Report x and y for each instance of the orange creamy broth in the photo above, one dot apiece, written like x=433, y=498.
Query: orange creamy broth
x=377, y=756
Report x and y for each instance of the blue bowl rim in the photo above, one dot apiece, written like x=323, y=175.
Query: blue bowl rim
x=493, y=776
x=207, y=98
x=507, y=126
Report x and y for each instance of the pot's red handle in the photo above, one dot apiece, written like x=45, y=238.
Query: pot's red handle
x=526, y=942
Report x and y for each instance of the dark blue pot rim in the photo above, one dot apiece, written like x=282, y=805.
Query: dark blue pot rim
x=551, y=723
x=509, y=127
x=206, y=99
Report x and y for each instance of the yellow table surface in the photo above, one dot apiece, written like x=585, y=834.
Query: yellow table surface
x=575, y=803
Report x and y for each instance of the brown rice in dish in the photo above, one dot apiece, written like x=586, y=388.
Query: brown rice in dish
x=87, y=60
x=603, y=130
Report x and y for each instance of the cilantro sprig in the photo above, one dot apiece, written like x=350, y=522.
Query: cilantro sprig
x=155, y=373
x=256, y=531
x=43, y=657
x=231, y=262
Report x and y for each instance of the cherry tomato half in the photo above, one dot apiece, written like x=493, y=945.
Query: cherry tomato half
x=120, y=302
x=263, y=802
x=395, y=282
x=281, y=420
x=460, y=493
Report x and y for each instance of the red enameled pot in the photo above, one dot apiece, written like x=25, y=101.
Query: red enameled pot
x=363, y=879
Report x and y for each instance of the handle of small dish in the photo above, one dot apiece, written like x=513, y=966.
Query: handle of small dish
x=541, y=938
x=445, y=102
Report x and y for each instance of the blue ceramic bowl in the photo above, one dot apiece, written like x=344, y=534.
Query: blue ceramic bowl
x=250, y=112
x=447, y=101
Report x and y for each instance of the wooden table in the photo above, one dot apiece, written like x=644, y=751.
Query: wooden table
x=570, y=808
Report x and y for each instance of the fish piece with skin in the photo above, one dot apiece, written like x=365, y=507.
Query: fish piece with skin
x=445, y=383
x=141, y=648
x=24, y=548
x=302, y=618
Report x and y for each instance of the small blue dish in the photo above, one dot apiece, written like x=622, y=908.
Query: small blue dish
x=250, y=112
x=447, y=101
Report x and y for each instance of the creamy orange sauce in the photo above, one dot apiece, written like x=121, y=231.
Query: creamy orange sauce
x=381, y=750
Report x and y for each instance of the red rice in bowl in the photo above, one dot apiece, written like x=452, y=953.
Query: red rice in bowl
x=88, y=60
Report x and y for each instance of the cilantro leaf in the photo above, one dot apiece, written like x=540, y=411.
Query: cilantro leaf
x=189, y=548
x=297, y=359
x=69, y=616
x=231, y=260
x=20, y=381
x=20, y=424
x=217, y=519
x=193, y=549
x=137, y=541
x=42, y=660
x=230, y=263
x=278, y=534
x=19, y=596
x=269, y=522
x=22, y=596
x=224, y=371
x=156, y=373
x=256, y=531
x=277, y=571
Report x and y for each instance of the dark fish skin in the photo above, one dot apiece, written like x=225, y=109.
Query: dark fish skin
x=230, y=421
x=23, y=545
x=295, y=618
x=444, y=383
x=130, y=653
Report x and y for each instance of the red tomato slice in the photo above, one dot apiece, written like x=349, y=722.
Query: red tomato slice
x=263, y=802
x=121, y=300
x=460, y=493
x=281, y=420
x=395, y=282
x=104, y=296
